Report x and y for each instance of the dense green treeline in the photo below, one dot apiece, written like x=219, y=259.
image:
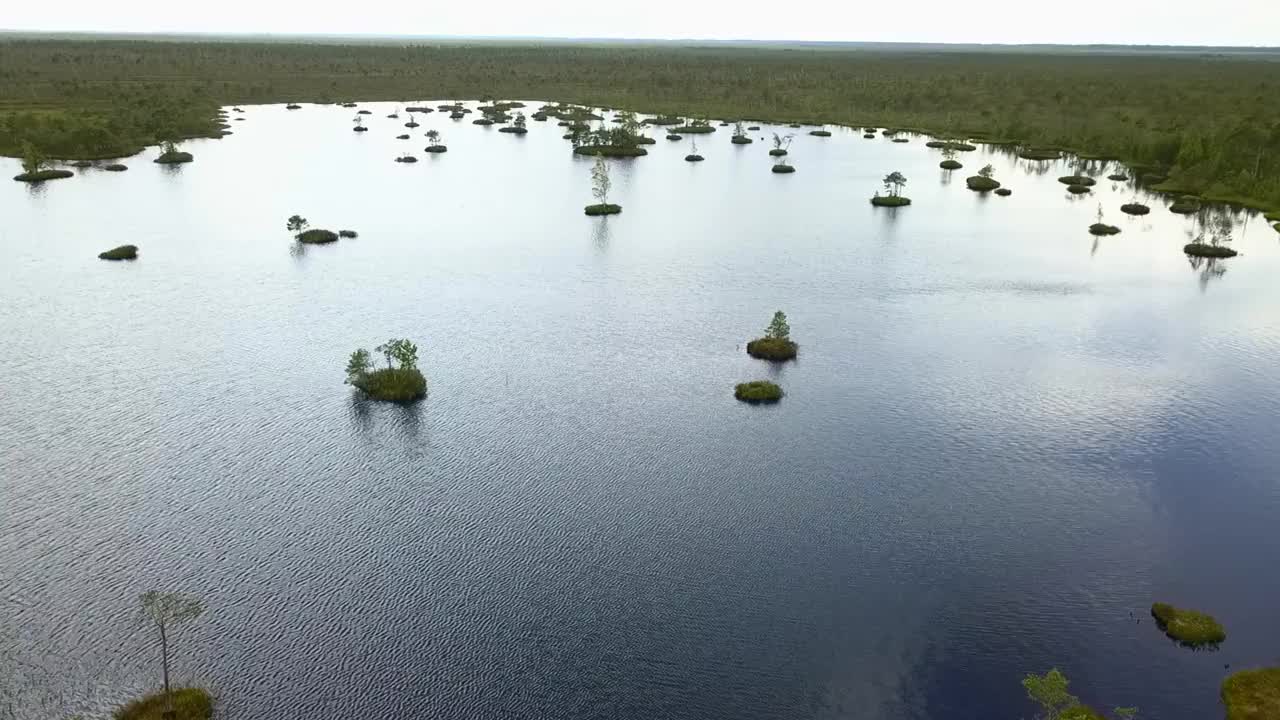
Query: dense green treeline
x=1211, y=123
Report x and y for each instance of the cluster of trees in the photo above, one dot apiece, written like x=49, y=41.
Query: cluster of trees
x=625, y=134
x=1210, y=122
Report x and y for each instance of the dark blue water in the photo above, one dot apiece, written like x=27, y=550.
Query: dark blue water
x=1002, y=437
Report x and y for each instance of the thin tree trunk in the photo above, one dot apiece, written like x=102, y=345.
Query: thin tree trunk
x=164, y=654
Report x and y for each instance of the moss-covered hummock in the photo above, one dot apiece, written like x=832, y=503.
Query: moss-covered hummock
x=1185, y=205
x=42, y=175
x=610, y=151
x=950, y=165
x=783, y=168
x=602, y=209
x=777, y=152
x=124, y=252
x=890, y=201
x=436, y=149
x=348, y=234
x=316, y=236
x=1078, y=180
x=358, y=128
x=482, y=121
x=741, y=140
x=1103, y=229
x=513, y=130
x=981, y=184
x=694, y=157
x=115, y=167
x=400, y=385
x=1078, y=189
x=457, y=115
x=1252, y=694
x=293, y=106
x=870, y=136
x=406, y=159
x=174, y=158
x=695, y=129
x=1209, y=251
x=753, y=127
x=1134, y=209
x=674, y=136
x=402, y=137
x=757, y=391
x=1118, y=177
x=1004, y=192
x=820, y=133
x=1189, y=627
x=1039, y=154
x=775, y=349
x=188, y=704
x=901, y=140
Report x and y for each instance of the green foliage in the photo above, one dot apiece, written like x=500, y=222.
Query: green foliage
x=124, y=252
x=1189, y=627
x=1252, y=694
x=602, y=209
x=399, y=354
x=188, y=704
x=894, y=182
x=980, y=182
x=33, y=160
x=296, y=224
x=758, y=391
x=359, y=365
x=987, y=171
x=1049, y=691
x=778, y=328
x=1134, y=208
x=775, y=349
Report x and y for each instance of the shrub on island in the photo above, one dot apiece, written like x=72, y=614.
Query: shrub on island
x=757, y=391
x=316, y=236
x=1189, y=627
x=610, y=151
x=124, y=252
x=188, y=704
x=694, y=129
x=890, y=200
x=400, y=381
x=42, y=175
x=174, y=157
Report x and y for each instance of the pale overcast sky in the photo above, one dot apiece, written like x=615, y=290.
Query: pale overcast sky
x=1171, y=22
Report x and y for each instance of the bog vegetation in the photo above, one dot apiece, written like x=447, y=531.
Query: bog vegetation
x=1209, y=123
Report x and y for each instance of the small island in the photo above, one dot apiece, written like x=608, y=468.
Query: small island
x=188, y=704
x=950, y=165
x=1134, y=208
x=171, y=155
x=315, y=236
x=1078, y=180
x=982, y=182
x=1186, y=205
x=1118, y=177
x=1039, y=154
x=1252, y=694
x=1103, y=229
x=115, y=167
x=517, y=127
x=1189, y=627
x=673, y=136
x=1004, y=192
x=776, y=345
x=348, y=234
x=740, y=135
x=893, y=184
x=696, y=127
x=820, y=133
x=35, y=166
x=124, y=252
x=782, y=168
x=437, y=142
x=869, y=136
x=757, y=392
x=400, y=381
x=1078, y=189
x=1208, y=250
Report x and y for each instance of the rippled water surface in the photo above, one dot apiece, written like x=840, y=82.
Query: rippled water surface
x=1002, y=441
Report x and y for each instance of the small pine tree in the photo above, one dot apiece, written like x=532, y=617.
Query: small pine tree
x=296, y=224
x=33, y=160
x=778, y=328
x=600, y=182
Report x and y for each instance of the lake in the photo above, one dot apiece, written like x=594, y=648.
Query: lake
x=1002, y=441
